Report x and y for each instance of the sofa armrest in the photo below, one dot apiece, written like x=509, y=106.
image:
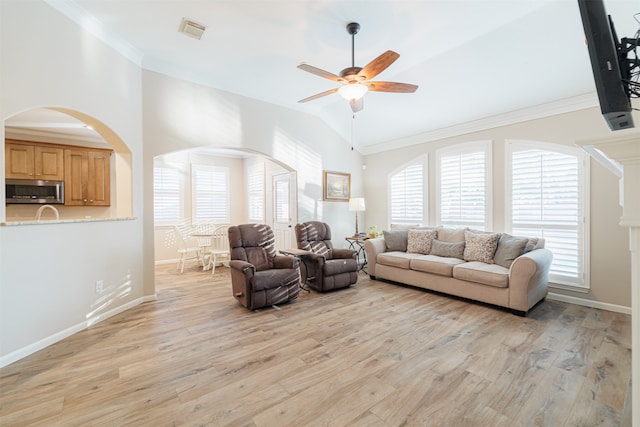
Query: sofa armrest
x=242, y=273
x=529, y=279
x=372, y=248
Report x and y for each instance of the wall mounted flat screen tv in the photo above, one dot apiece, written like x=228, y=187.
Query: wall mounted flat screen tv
x=607, y=63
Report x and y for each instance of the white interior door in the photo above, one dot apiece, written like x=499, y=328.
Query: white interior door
x=285, y=209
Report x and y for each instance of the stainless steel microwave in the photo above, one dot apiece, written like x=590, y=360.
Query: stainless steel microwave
x=29, y=191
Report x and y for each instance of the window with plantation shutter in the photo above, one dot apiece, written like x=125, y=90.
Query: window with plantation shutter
x=406, y=195
x=464, y=188
x=548, y=199
x=255, y=193
x=210, y=194
x=167, y=195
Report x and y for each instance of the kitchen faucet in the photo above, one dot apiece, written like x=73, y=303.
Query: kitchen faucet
x=43, y=207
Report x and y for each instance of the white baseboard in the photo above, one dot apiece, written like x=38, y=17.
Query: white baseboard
x=589, y=303
x=45, y=342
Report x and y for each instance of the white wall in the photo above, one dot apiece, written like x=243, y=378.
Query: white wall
x=610, y=259
x=180, y=115
x=48, y=272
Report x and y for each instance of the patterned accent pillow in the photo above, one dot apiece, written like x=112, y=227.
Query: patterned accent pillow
x=480, y=246
x=447, y=249
x=419, y=241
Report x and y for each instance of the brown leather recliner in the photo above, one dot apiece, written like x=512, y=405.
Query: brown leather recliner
x=326, y=268
x=259, y=277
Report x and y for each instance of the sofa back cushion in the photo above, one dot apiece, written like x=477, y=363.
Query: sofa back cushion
x=451, y=234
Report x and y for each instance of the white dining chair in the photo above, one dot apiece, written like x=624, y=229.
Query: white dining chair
x=186, y=251
x=219, y=251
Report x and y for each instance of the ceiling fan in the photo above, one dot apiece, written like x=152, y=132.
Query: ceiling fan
x=356, y=81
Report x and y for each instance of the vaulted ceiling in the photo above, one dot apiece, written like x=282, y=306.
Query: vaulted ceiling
x=474, y=61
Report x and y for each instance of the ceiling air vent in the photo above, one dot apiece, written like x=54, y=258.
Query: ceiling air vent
x=191, y=28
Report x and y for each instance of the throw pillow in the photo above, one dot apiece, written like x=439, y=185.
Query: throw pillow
x=480, y=246
x=396, y=240
x=451, y=234
x=447, y=249
x=509, y=248
x=419, y=241
x=534, y=243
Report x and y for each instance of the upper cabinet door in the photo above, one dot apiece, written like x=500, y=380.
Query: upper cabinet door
x=25, y=161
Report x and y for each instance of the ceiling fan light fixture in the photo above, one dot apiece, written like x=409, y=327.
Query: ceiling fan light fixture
x=353, y=91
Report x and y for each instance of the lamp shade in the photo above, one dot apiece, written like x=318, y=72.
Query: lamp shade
x=353, y=91
x=356, y=204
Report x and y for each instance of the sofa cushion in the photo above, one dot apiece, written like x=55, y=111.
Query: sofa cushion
x=419, y=241
x=509, y=248
x=447, y=249
x=396, y=240
x=480, y=272
x=396, y=259
x=435, y=264
x=451, y=234
x=480, y=246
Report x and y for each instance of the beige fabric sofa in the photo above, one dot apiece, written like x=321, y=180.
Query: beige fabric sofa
x=493, y=268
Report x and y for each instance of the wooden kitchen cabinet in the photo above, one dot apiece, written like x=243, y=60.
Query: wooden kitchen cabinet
x=87, y=177
x=32, y=161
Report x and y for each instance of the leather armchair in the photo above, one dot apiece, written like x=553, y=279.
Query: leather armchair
x=259, y=277
x=325, y=268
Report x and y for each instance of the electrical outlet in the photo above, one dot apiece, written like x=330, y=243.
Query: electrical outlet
x=99, y=285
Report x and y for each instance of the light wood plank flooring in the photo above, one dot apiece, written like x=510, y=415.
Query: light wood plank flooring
x=375, y=354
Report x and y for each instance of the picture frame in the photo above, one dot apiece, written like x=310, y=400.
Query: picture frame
x=336, y=186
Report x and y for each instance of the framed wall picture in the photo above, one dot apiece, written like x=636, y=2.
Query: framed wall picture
x=336, y=186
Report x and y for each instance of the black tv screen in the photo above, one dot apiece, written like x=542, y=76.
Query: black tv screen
x=613, y=93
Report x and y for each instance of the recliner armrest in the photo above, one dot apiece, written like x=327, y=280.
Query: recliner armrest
x=343, y=253
x=282, y=261
x=242, y=266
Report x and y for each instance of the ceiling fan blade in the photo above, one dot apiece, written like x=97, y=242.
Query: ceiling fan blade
x=378, y=65
x=319, y=72
x=357, y=104
x=319, y=95
x=392, y=87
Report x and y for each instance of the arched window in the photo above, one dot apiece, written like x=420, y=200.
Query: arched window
x=547, y=192
x=407, y=194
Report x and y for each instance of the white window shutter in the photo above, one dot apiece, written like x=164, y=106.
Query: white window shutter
x=167, y=195
x=210, y=194
x=463, y=186
x=406, y=194
x=548, y=200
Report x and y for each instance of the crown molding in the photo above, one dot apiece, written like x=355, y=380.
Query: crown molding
x=581, y=102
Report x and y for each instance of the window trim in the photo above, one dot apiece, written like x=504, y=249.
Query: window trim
x=583, y=159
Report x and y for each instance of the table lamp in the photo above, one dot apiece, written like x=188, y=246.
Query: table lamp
x=356, y=204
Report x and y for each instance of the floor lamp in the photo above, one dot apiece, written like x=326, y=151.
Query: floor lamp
x=356, y=204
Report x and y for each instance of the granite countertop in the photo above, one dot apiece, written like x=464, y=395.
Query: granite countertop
x=10, y=223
